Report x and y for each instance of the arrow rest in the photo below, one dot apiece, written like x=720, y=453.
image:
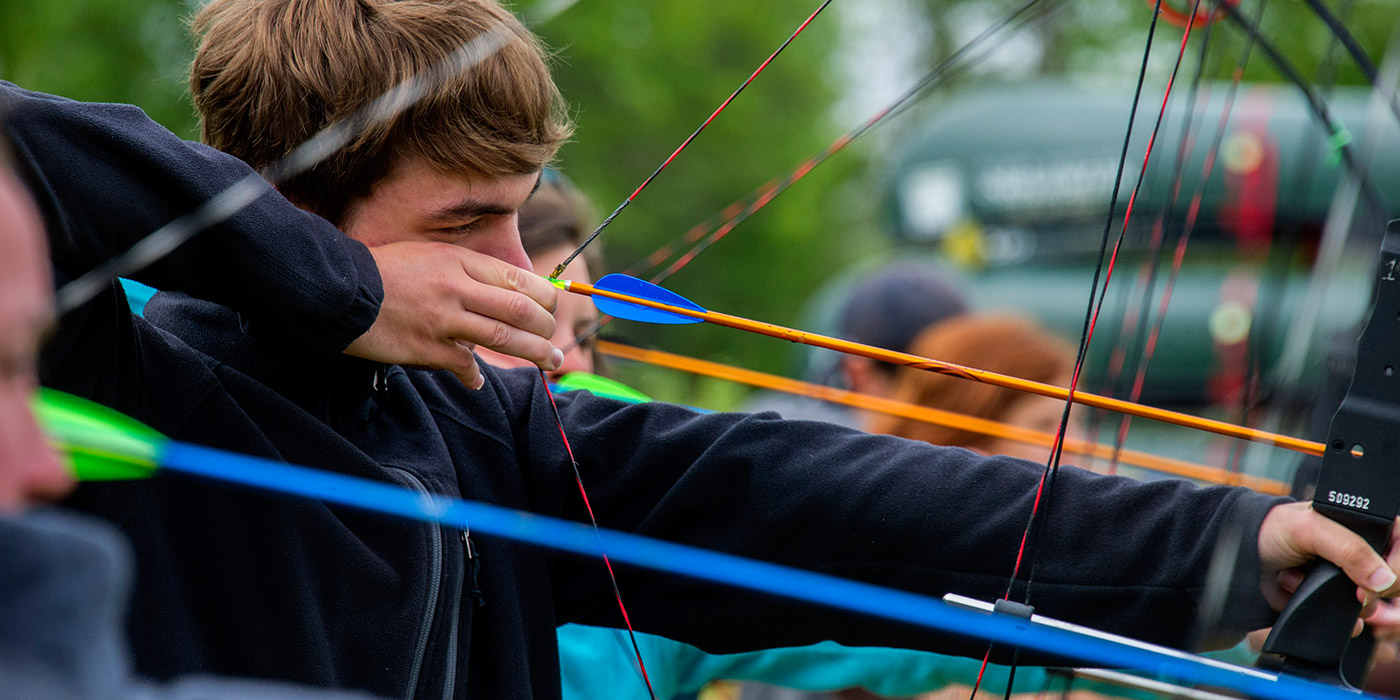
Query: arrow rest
x=1313, y=633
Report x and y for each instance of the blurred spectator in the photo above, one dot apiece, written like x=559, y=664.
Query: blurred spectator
x=886, y=309
x=1005, y=344
x=999, y=343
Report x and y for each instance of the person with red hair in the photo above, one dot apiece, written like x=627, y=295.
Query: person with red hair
x=1006, y=344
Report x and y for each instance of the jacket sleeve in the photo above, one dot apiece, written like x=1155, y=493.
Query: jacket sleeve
x=1119, y=555
x=105, y=176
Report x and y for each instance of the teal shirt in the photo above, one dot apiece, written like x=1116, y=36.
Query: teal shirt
x=137, y=295
x=598, y=662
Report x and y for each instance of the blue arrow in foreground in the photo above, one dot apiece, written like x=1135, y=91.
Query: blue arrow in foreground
x=100, y=435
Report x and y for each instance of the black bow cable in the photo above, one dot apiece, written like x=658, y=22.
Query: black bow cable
x=1103, y=249
x=559, y=270
x=1337, y=134
x=1058, y=450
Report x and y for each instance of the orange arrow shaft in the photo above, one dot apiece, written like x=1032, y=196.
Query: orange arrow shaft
x=961, y=371
x=902, y=409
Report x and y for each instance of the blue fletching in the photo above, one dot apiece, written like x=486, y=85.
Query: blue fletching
x=631, y=286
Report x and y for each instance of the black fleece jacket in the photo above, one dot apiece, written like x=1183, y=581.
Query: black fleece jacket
x=237, y=582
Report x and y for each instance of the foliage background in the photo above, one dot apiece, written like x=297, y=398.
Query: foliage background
x=641, y=74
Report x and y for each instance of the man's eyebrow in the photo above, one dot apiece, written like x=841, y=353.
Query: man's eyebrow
x=469, y=208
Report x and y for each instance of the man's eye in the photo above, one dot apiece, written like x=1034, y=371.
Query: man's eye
x=461, y=229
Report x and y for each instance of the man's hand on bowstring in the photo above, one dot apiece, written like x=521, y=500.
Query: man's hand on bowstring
x=441, y=301
x=1294, y=534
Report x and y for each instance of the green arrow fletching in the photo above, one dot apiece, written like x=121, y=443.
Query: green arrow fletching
x=100, y=443
x=601, y=386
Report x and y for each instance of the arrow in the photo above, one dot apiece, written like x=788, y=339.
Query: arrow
x=983, y=426
x=629, y=298
x=104, y=444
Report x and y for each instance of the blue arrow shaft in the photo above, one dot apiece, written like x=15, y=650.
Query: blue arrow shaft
x=727, y=569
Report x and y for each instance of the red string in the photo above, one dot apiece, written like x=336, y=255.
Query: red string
x=588, y=506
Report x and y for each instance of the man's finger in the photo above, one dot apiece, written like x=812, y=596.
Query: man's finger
x=497, y=273
x=1332, y=541
x=507, y=339
x=1290, y=579
x=1384, y=621
x=465, y=368
x=511, y=308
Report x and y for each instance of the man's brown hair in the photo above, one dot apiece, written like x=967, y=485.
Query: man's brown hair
x=270, y=74
x=1005, y=344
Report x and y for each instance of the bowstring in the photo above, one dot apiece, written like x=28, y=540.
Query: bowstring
x=951, y=68
x=544, y=378
x=1194, y=207
x=593, y=520
x=1058, y=449
x=706, y=234
x=1144, y=341
x=1052, y=463
x=607, y=221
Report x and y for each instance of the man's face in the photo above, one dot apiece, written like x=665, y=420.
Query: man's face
x=29, y=469
x=417, y=203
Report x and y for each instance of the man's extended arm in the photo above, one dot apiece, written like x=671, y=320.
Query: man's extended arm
x=1119, y=555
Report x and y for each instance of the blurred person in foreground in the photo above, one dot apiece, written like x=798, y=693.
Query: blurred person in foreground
x=64, y=578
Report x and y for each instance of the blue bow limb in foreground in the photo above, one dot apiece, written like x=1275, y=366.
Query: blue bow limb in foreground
x=736, y=571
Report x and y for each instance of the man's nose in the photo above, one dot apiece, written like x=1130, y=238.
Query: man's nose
x=505, y=246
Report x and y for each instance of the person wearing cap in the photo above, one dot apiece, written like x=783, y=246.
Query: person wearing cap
x=886, y=308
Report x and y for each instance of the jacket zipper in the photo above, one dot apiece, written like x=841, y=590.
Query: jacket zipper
x=434, y=586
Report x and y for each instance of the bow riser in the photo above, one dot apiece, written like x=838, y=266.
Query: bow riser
x=1354, y=488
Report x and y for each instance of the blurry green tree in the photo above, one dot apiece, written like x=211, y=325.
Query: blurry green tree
x=133, y=51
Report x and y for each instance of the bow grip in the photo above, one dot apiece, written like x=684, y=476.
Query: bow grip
x=1355, y=487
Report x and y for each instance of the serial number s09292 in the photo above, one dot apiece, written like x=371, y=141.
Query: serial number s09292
x=1348, y=500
